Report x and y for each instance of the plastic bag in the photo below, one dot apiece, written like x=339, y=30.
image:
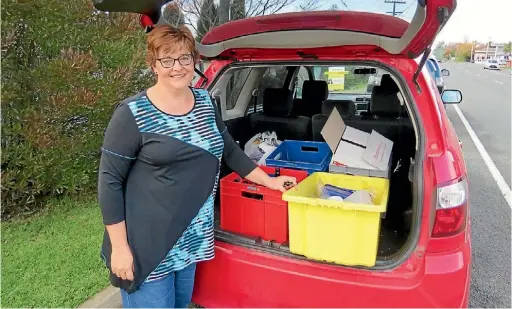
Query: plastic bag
x=252, y=149
x=327, y=191
x=261, y=145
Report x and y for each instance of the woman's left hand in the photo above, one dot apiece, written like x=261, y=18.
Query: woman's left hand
x=281, y=183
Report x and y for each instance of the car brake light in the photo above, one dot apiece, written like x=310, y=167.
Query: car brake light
x=451, y=209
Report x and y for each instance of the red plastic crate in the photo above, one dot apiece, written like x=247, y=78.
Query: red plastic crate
x=253, y=210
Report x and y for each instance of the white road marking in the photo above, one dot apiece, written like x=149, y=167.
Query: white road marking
x=477, y=74
x=498, y=82
x=500, y=181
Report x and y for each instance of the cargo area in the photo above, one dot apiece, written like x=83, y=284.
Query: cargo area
x=295, y=101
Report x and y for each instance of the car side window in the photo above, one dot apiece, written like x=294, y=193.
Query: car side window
x=302, y=76
x=234, y=87
x=274, y=77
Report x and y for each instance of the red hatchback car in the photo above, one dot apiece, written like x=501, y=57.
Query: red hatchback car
x=278, y=73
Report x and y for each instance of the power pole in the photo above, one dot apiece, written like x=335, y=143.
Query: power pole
x=472, y=51
x=487, y=50
x=395, y=2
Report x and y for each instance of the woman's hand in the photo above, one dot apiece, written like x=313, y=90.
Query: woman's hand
x=122, y=262
x=281, y=183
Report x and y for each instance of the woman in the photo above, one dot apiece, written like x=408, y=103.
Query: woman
x=158, y=177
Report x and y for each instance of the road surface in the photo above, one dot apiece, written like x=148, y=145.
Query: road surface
x=486, y=106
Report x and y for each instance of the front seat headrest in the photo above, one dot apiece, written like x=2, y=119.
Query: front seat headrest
x=315, y=91
x=385, y=101
x=277, y=102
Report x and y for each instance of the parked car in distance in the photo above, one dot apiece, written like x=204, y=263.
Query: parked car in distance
x=491, y=64
x=424, y=262
x=436, y=72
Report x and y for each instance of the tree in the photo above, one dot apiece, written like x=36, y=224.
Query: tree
x=439, y=49
x=208, y=18
x=237, y=10
x=508, y=47
x=449, y=52
x=463, y=51
x=310, y=5
x=173, y=14
x=229, y=10
x=224, y=11
x=62, y=75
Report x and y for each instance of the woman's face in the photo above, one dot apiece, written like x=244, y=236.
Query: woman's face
x=175, y=69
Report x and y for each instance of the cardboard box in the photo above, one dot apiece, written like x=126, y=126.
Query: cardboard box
x=356, y=152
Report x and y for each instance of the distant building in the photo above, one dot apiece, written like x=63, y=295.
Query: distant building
x=493, y=51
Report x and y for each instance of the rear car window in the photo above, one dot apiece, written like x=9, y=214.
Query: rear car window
x=342, y=79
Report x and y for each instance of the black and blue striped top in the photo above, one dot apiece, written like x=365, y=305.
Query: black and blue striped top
x=160, y=173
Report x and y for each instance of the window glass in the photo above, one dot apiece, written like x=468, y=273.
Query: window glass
x=274, y=77
x=302, y=75
x=235, y=85
x=342, y=79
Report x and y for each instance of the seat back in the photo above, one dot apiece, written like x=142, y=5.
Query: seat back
x=277, y=107
x=388, y=117
x=314, y=93
x=346, y=108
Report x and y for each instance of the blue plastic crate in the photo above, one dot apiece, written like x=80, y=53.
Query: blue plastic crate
x=309, y=156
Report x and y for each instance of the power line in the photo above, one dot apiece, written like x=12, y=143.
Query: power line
x=407, y=8
x=395, y=2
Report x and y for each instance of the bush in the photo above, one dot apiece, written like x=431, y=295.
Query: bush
x=64, y=67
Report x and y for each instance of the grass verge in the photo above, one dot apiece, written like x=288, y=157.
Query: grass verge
x=52, y=259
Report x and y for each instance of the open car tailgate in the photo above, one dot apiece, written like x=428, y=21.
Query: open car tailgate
x=327, y=28
x=312, y=29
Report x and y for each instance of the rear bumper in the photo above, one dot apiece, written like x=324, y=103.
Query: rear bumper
x=241, y=277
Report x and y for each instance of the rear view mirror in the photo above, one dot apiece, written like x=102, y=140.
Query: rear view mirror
x=445, y=72
x=365, y=71
x=451, y=96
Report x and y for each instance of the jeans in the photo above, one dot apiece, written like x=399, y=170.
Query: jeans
x=172, y=291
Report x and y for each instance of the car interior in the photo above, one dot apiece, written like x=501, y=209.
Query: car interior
x=290, y=101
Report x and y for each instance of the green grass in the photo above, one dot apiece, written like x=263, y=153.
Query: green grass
x=52, y=259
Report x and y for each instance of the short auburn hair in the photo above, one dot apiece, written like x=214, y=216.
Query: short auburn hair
x=167, y=38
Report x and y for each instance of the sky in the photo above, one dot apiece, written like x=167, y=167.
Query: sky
x=475, y=19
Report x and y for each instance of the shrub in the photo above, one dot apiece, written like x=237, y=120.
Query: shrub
x=64, y=67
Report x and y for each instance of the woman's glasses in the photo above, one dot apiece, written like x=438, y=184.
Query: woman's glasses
x=168, y=62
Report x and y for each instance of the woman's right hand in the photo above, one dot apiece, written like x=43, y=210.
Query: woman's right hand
x=122, y=262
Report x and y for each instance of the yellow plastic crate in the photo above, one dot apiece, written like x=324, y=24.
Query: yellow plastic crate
x=333, y=231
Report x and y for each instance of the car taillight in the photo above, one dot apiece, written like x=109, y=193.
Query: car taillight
x=451, y=209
